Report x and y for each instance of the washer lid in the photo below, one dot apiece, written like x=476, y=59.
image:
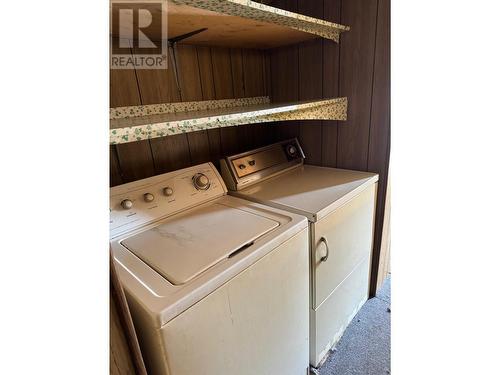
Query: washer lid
x=186, y=245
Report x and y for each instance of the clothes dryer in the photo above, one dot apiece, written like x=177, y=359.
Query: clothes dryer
x=340, y=206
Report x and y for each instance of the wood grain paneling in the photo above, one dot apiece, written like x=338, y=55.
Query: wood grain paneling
x=253, y=73
x=157, y=85
x=135, y=159
x=285, y=74
x=311, y=83
x=191, y=90
x=237, y=73
x=234, y=139
x=115, y=177
x=189, y=73
x=311, y=87
x=284, y=63
x=331, y=66
x=204, y=73
x=290, y=5
x=254, y=79
x=223, y=79
x=120, y=358
x=285, y=86
x=125, y=353
x=267, y=73
x=208, y=93
x=123, y=88
x=171, y=153
x=356, y=77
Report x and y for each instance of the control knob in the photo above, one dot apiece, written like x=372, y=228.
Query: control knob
x=148, y=197
x=291, y=150
x=127, y=204
x=201, y=182
x=168, y=191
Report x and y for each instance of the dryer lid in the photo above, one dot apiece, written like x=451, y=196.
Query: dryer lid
x=310, y=190
x=186, y=245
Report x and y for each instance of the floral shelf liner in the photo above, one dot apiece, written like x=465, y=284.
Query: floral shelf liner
x=129, y=124
x=265, y=13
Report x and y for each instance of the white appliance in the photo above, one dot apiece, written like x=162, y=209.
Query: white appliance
x=340, y=206
x=216, y=284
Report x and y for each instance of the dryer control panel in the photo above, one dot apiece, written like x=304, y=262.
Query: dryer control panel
x=243, y=170
x=141, y=202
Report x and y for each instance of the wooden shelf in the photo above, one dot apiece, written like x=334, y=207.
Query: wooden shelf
x=129, y=124
x=244, y=23
x=241, y=24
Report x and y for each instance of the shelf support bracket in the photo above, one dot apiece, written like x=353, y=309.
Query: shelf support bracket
x=172, y=49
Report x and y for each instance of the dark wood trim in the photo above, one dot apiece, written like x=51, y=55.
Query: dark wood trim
x=380, y=131
x=117, y=296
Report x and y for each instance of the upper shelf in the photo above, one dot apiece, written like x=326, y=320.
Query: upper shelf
x=129, y=124
x=245, y=23
x=239, y=24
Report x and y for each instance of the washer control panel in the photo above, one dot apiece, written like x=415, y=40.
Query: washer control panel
x=140, y=202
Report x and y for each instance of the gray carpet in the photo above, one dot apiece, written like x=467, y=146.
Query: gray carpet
x=365, y=347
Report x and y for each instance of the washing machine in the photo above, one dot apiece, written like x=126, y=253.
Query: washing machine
x=215, y=284
x=340, y=207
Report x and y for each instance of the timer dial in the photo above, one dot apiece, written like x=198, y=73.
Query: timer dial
x=201, y=182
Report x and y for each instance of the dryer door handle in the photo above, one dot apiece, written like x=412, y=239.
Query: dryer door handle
x=325, y=241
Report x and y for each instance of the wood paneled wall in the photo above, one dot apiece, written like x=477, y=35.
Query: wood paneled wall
x=205, y=73
x=124, y=351
x=358, y=67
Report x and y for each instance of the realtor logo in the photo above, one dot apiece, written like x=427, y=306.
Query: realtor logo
x=138, y=34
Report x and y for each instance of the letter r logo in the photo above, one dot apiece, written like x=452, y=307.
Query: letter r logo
x=137, y=25
x=138, y=34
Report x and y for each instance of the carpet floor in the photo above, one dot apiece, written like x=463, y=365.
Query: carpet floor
x=365, y=347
